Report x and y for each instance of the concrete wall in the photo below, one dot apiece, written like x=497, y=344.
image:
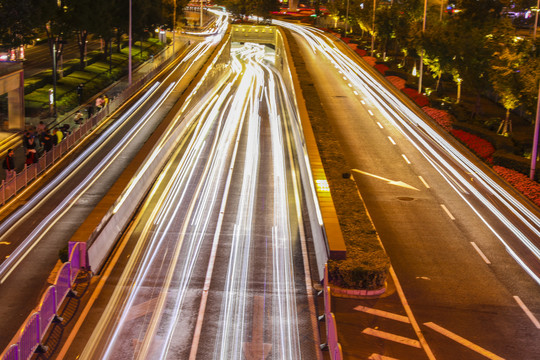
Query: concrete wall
x=12, y=83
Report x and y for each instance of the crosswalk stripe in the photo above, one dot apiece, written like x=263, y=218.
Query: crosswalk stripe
x=392, y=337
x=463, y=341
x=382, y=313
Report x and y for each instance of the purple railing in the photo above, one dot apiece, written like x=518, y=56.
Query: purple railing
x=8, y=188
x=31, y=333
x=332, y=344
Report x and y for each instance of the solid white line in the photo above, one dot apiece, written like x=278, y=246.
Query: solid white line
x=424, y=182
x=480, y=252
x=370, y=112
x=527, y=312
x=382, y=313
x=410, y=315
x=392, y=140
x=406, y=160
x=448, y=212
x=380, y=125
x=392, y=337
x=463, y=341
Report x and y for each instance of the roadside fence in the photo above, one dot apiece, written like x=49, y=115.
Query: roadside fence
x=332, y=344
x=28, y=338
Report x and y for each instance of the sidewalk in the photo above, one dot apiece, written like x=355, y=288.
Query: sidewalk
x=13, y=140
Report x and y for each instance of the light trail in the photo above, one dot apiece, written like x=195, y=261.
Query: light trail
x=409, y=124
x=181, y=226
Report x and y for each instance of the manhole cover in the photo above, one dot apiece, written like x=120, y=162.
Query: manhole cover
x=404, y=198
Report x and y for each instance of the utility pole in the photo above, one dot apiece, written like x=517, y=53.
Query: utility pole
x=174, y=26
x=534, y=154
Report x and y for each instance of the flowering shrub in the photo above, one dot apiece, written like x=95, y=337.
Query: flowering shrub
x=381, y=68
x=418, y=98
x=481, y=147
x=361, y=52
x=398, y=82
x=521, y=182
x=370, y=60
x=442, y=117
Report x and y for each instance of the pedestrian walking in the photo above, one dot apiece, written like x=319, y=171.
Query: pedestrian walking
x=99, y=103
x=9, y=165
x=90, y=110
x=79, y=117
x=31, y=157
x=59, y=135
x=80, y=92
x=48, y=141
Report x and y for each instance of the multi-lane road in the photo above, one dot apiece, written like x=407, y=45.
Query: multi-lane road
x=464, y=250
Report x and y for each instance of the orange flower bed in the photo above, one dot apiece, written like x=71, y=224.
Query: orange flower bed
x=521, y=182
x=398, y=82
x=370, y=60
x=381, y=68
x=481, y=147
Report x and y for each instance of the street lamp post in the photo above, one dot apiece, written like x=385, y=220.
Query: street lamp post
x=422, y=53
x=536, y=19
x=373, y=29
x=534, y=154
x=174, y=26
x=347, y=18
x=129, y=45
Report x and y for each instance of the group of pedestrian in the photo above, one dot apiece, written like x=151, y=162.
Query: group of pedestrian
x=35, y=142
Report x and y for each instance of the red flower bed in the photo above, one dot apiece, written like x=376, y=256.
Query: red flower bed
x=352, y=45
x=370, y=60
x=442, y=117
x=419, y=99
x=361, y=52
x=381, y=68
x=346, y=39
x=398, y=82
x=481, y=147
x=521, y=182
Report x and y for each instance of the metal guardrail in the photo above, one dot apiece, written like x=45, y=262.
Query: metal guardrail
x=31, y=333
x=332, y=342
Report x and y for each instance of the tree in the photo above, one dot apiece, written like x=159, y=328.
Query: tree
x=19, y=20
x=504, y=78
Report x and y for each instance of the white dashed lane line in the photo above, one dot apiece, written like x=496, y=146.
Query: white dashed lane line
x=484, y=257
x=424, y=182
x=448, y=212
x=527, y=312
x=392, y=140
x=405, y=158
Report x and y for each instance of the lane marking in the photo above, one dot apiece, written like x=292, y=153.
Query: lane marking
x=392, y=337
x=527, y=312
x=380, y=357
x=448, y=212
x=344, y=78
x=380, y=125
x=424, y=182
x=5, y=243
x=382, y=313
x=480, y=253
x=463, y=341
x=410, y=315
x=141, y=309
x=355, y=92
x=405, y=158
x=363, y=102
x=392, y=140
x=350, y=85
x=390, y=182
x=370, y=112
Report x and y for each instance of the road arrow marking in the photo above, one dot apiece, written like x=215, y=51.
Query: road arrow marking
x=382, y=313
x=390, y=182
x=380, y=357
x=392, y=337
x=463, y=341
x=257, y=349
